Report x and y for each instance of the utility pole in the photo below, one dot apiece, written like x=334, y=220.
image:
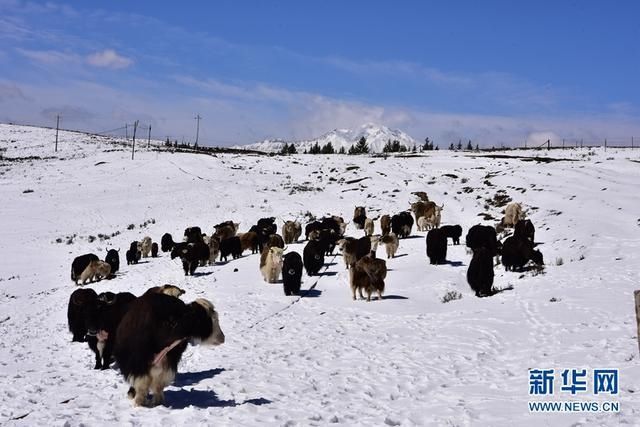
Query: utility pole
x=149, y=139
x=197, y=126
x=133, y=147
x=58, y=127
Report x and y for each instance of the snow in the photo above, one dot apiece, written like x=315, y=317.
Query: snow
x=376, y=135
x=409, y=359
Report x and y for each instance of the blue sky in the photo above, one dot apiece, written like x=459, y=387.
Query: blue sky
x=496, y=72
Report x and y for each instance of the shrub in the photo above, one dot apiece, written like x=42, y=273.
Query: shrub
x=451, y=296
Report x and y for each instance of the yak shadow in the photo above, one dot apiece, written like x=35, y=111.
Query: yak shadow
x=329, y=264
x=182, y=399
x=328, y=273
x=455, y=263
x=393, y=297
x=310, y=293
x=400, y=255
x=200, y=274
x=412, y=237
x=190, y=378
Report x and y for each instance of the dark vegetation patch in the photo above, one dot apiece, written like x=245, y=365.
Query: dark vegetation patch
x=353, y=181
x=500, y=199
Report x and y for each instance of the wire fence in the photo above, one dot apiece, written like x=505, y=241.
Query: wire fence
x=143, y=135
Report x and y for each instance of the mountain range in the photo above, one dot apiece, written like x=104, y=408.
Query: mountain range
x=376, y=135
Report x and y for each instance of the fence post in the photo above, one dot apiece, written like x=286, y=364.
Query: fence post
x=57, y=127
x=133, y=147
x=580, y=143
x=126, y=131
x=605, y=144
x=149, y=139
x=636, y=295
x=563, y=143
x=548, y=144
x=632, y=143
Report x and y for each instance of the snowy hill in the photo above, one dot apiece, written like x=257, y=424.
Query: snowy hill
x=409, y=359
x=376, y=136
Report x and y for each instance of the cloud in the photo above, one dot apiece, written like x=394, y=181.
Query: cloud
x=48, y=56
x=395, y=68
x=68, y=113
x=109, y=58
x=11, y=91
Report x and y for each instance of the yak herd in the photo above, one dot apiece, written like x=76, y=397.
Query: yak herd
x=147, y=335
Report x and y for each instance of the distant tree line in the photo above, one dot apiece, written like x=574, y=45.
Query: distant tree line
x=469, y=146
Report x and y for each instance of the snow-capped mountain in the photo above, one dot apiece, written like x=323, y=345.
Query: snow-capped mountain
x=376, y=136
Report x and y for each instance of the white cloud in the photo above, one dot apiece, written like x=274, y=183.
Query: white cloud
x=48, y=56
x=109, y=58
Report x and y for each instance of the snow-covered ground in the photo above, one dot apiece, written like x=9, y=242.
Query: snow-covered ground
x=409, y=359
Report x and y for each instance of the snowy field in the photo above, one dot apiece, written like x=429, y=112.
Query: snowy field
x=323, y=359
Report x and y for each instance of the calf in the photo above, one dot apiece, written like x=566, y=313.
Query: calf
x=214, y=249
x=391, y=243
x=436, y=246
x=422, y=224
x=154, y=250
x=516, y=252
x=102, y=323
x=231, y=246
x=166, y=243
x=271, y=263
x=425, y=209
x=385, y=224
x=359, y=217
x=145, y=246
x=113, y=259
x=291, y=273
x=453, y=231
x=80, y=301
x=79, y=264
x=480, y=272
x=368, y=227
x=134, y=254
x=313, y=257
x=291, y=231
x=152, y=336
x=96, y=270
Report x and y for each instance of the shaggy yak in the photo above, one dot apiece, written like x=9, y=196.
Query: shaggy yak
x=152, y=337
x=291, y=273
x=80, y=301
